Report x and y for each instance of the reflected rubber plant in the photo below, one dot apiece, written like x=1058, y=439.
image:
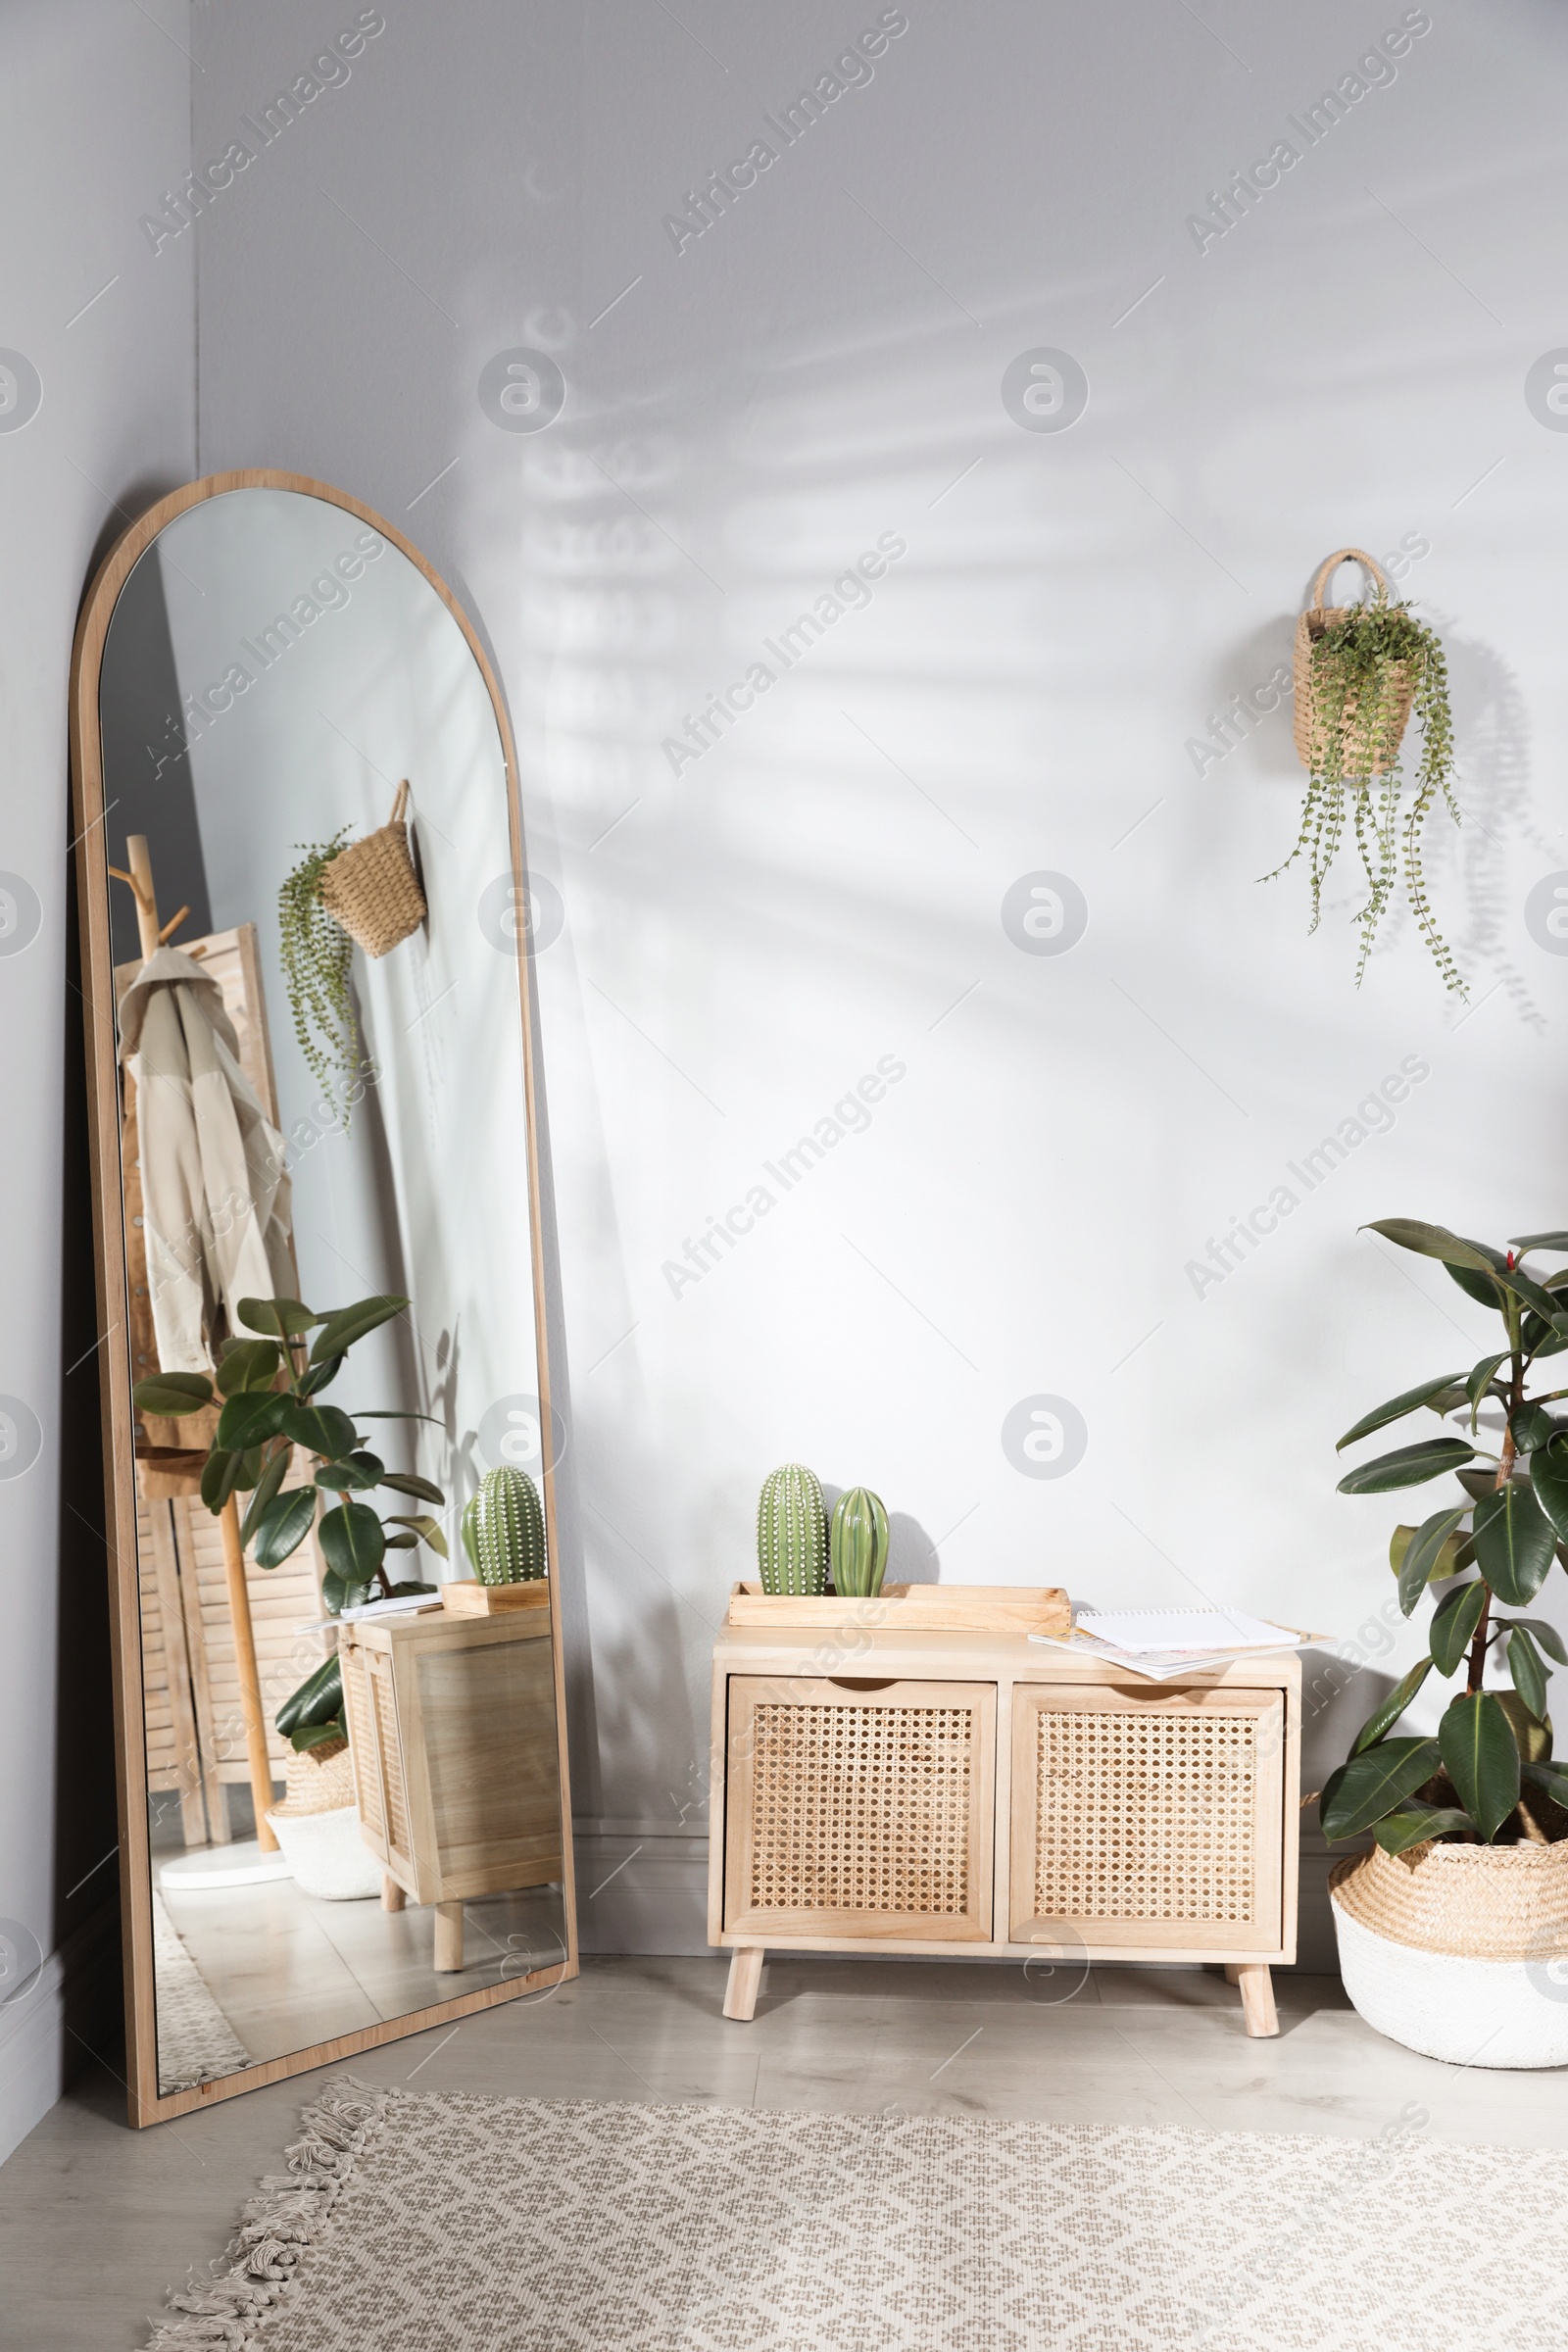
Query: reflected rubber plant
x=1488, y=1776
x=266, y=1389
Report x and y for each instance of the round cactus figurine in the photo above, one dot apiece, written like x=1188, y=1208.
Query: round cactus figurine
x=792, y=1531
x=858, y=1544
x=503, y=1529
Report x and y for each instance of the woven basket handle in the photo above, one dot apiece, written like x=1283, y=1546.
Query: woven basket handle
x=1349, y=554
x=400, y=804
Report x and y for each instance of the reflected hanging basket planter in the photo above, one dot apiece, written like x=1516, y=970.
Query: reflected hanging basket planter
x=1362, y=672
x=371, y=889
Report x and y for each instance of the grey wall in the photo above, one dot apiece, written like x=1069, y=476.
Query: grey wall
x=94, y=103
x=1035, y=685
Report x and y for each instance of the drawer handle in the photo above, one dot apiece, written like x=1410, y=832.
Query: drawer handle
x=861, y=1682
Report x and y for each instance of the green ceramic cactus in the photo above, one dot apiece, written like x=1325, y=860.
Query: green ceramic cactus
x=792, y=1531
x=503, y=1529
x=858, y=1544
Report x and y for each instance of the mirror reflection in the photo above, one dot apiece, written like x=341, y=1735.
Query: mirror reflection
x=353, y=1776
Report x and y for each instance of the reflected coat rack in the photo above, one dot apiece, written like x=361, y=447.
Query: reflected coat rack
x=181, y=1607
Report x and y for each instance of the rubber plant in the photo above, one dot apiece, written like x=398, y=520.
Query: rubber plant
x=1368, y=670
x=1487, y=1774
x=267, y=1387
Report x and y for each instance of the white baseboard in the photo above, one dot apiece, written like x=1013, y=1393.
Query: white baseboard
x=37, y=2055
x=643, y=1888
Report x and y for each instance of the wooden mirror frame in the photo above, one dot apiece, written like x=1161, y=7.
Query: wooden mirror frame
x=146, y=2104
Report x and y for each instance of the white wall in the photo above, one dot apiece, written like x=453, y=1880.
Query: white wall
x=94, y=109
x=746, y=936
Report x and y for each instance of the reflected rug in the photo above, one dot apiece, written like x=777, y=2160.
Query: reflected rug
x=469, y=2224
x=196, y=2043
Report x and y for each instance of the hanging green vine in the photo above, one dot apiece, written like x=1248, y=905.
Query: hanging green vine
x=1362, y=667
x=318, y=954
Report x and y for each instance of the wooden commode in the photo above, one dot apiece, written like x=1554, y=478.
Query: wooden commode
x=452, y=1726
x=953, y=1793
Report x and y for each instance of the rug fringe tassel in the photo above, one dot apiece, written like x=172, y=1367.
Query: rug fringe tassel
x=278, y=2224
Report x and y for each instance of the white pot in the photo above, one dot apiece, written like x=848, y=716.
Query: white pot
x=327, y=1853
x=1466, y=2011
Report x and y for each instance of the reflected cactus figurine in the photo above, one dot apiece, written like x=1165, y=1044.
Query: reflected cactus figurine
x=858, y=1544
x=792, y=1531
x=503, y=1529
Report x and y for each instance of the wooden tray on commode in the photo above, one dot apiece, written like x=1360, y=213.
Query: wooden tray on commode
x=912, y=1609
x=466, y=1596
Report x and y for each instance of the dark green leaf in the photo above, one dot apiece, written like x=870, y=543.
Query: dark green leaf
x=1453, y=1624
x=321, y=1429
x=1533, y=1427
x=405, y=1483
x=339, y=1592
x=317, y=1735
x=319, y=1698
x=279, y=1318
x=1549, y=1476
x=247, y=1364
x=1532, y=1734
x=428, y=1530
x=1479, y=1383
x=352, y=1540
x=250, y=1469
x=1373, y=1783
x=1481, y=1759
x=401, y=1543
x=1397, y=1831
x=403, y=1592
x=1537, y=1241
x=218, y=1474
x=282, y=1527
x=1434, y=1241
x=1479, y=1287
x=1527, y=1670
x=1407, y=1466
x=1478, y=1484
x=1550, y=1777
x=266, y=1486
x=1395, y=1409
x=170, y=1395
x=251, y=1418
x=1525, y=1288
x=340, y=1331
x=1513, y=1543
x=1545, y=1637
x=430, y=1417
x=319, y=1376
x=1387, y=1713
x=1423, y=1553
x=356, y=1472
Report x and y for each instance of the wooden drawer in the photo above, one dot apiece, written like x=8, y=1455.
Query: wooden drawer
x=1148, y=1819
x=860, y=1808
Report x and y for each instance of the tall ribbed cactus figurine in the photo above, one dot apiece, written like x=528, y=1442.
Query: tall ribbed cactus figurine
x=503, y=1529
x=859, y=1542
x=792, y=1531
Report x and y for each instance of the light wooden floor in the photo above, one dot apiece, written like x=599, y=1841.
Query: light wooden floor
x=96, y=2221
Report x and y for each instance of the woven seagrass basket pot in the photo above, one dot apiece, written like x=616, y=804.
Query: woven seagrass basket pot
x=371, y=889
x=317, y=1827
x=1311, y=723
x=1459, y=1952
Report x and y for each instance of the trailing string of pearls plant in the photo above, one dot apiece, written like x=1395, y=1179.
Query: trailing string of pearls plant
x=1360, y=674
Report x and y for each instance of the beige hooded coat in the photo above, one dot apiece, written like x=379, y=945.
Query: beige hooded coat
x=215, y=1192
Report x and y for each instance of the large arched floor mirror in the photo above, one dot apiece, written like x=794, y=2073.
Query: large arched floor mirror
x=343, y=1791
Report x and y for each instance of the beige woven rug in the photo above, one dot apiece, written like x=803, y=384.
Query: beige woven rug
x=458, y=2223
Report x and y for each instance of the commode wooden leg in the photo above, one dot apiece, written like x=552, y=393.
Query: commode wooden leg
x=448, y=1937
x=1257, y=1998
x=744, y=1981
x=393, y=1897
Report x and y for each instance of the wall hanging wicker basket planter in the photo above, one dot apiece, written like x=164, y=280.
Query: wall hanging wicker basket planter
x=371, y=889
x=1312, y=722
x=1459, y=1952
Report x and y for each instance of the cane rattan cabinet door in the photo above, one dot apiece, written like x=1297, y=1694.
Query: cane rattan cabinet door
x=1148, y=1819
x=859, y=1811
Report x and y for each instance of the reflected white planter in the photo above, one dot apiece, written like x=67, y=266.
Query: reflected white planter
x=328, y=1855
x=1497, y=1995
